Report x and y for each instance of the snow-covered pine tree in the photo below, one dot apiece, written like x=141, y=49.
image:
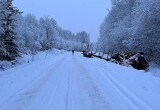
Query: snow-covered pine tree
x=8, y=35
x=2, y=49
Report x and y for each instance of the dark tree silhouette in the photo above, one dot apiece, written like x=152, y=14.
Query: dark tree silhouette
x=8, y=35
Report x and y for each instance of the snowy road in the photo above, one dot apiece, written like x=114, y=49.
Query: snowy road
x=77, y=83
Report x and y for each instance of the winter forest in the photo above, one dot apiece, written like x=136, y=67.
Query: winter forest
x=28, y=35
x=130, y=25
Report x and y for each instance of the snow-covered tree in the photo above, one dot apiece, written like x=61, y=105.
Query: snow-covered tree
x=84, y=38
x=9, y=49
x=132, y=25
x=146, y=29
x=49, y=28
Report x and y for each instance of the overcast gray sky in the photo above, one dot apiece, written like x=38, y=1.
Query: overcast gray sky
x=74, y=15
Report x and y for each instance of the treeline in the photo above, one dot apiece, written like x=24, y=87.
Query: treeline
x=44, y=34
x=131, y=26
x=28, y=35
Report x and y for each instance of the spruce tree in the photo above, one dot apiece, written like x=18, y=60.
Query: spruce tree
x=8, y=35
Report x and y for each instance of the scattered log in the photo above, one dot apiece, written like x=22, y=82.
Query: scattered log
x=118, y=58
x=136, y=60
x=87, y=54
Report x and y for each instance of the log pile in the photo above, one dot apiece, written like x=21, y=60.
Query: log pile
x=87, y=54
x=136, y=60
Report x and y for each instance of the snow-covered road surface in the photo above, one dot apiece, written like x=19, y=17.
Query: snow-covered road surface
x=69, y=82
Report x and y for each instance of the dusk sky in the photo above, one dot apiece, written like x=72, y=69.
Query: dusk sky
x=74, y=15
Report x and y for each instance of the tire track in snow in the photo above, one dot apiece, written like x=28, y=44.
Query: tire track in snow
x=68, y=88
x=94, y=94
x=73, y=101
x=25, y=94
x=54, y=99
x=97, y=99
x=135, y=102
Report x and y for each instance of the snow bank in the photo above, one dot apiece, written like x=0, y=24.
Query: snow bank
x=42, y=55
x=4, y=65
x=154, y=70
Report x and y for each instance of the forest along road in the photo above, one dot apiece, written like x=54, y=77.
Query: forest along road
x=72, y=82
